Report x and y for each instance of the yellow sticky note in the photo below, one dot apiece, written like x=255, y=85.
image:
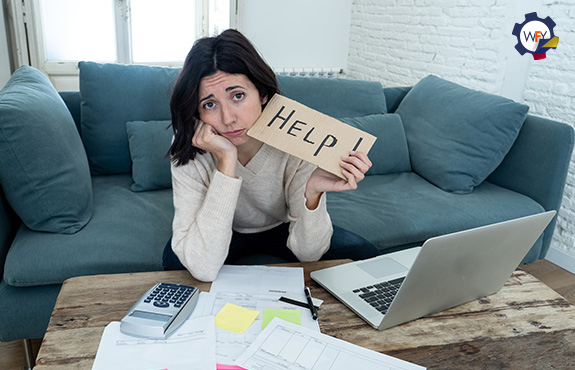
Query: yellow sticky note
x=235, y=318
x=293, y=316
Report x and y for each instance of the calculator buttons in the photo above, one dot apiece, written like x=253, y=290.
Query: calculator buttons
x=166, y=295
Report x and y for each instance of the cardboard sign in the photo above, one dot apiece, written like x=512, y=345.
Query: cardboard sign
x=308, y=134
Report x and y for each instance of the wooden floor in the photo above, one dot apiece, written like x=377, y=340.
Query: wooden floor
x=12, y=353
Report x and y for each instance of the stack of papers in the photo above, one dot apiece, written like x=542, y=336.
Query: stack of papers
x=192, y=346
x=241, y=321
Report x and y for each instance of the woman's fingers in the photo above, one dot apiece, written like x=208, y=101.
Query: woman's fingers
x=356, y=164
x=202, y=135
x=352, y=170
x=351, y=180
x=359, y=160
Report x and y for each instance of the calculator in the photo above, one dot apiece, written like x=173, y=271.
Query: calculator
x=160, y=311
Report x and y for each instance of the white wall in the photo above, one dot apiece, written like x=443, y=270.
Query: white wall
x=398, y=42
x=5, y=71
x=298, y=33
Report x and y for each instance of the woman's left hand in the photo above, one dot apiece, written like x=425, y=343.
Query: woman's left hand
x=353, y=167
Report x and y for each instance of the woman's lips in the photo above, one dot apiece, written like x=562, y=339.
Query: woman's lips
x=234, y=133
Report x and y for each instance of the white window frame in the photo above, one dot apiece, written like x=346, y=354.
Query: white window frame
x=28, y=41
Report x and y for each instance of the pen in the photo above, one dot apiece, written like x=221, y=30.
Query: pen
x=310, y=303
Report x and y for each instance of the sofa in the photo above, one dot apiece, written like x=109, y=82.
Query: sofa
x=86, y=184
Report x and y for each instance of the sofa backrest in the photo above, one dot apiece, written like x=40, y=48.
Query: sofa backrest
x=73, y=101
x=336, y=97
x=394, y=96
x=114, y=94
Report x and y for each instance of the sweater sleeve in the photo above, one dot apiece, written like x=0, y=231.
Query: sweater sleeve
x=204, y=212
x=310, y=230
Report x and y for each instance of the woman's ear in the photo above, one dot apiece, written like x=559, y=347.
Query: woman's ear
x=264, y=100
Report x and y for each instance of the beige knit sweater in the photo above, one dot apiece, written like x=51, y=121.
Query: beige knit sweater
x=267, y=192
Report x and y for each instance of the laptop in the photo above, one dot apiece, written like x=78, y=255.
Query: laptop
x=446, y=271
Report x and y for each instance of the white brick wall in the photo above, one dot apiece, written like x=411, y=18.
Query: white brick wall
x=398, y=42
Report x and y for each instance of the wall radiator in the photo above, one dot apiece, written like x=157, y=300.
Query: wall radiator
x=311, y=72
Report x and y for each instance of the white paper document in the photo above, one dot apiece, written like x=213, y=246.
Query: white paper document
x=192, y=346
x=283, y=346
x=259, y=279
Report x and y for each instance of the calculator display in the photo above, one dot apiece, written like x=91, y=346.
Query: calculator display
x=151, y=316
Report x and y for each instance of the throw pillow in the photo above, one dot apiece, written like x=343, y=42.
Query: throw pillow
x=113, y=94
x=457, y=136
x=149, y=143
x=389, y=153
x=43, y=167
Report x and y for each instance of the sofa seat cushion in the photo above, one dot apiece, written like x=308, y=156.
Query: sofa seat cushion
x=404, y=209
x=127, y=233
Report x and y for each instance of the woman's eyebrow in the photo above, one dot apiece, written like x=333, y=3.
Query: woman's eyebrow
x=227, y=89
x=234, y=87
x=207, y=97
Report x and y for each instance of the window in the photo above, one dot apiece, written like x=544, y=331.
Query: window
x=78, y=30
x=53, y=35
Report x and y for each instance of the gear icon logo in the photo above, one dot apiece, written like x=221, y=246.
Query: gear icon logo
x=535, y=36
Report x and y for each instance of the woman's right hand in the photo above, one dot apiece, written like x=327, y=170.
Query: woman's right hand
x=207, y=138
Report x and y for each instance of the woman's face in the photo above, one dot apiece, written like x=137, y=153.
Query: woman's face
x=231, y=104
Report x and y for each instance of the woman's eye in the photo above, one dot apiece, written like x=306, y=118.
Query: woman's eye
x=209, y=105
x=239, y=96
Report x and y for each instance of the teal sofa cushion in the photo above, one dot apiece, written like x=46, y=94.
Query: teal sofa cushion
x=149, y=145
x=407, y=210
x=127, y=233
x=389, y=153
x=457, y=136
x=43, y=167
x=113, y=94
x=336, y=97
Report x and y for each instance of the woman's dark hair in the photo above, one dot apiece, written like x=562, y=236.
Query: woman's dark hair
x=230, y=52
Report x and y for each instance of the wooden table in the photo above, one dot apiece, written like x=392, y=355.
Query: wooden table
x=526, y=325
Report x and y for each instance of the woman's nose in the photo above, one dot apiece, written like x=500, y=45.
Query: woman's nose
x=227, y=115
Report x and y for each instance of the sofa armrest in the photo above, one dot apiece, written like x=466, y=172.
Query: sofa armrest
x=537, y=165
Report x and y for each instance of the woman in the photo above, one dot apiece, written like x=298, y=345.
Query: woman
x=234, y=195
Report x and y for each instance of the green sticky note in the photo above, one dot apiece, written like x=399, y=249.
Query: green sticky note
x=293, y=316
x=235, y=318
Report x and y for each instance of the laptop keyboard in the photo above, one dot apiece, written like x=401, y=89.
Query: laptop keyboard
x=380, y=296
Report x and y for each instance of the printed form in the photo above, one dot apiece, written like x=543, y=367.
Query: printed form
x=283, y=345
x=256, y=288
